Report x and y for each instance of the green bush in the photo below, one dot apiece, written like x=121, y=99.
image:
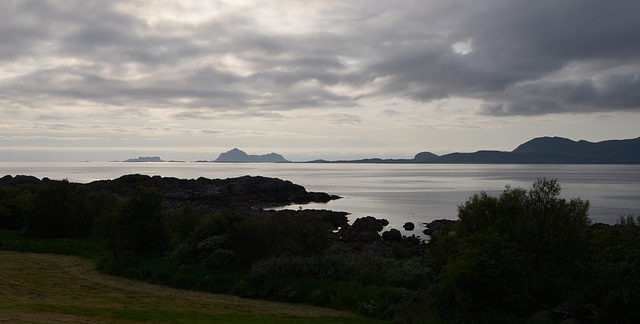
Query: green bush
x=137, y=226
x=15, y=204
x=506, y=255
x=257, y=238
x=61, y=209
x=616, y=286
x=213, y=255
x=538, y=221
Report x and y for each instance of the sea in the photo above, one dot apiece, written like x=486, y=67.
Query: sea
x=400, y=193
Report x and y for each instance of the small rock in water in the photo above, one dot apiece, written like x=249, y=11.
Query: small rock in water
x=409, y=226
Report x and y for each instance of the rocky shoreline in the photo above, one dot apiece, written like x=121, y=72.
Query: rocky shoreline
x=207, y=195
x=255, y=195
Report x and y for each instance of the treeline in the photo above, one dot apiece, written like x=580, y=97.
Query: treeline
x=526, y=256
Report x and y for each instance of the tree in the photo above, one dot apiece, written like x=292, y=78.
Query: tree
x=538, y=221
x=138, y=226
x=483, y=263
x=61, y=209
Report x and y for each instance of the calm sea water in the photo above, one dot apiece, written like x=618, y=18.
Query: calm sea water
x=400, y=193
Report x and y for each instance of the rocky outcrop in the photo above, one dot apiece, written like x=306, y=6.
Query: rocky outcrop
x=215, y=194
x=369, y=223
x=392, y=235
x=436, y=225
x=208, y=195
x=363, y=236
x=363, y=231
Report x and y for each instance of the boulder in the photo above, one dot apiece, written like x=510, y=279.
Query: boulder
x=392, y=235
x=436, y=226
x=409, y=226
x=369, y=223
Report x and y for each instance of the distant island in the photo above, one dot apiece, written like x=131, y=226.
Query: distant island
x=147, y=159
x=542, y=150
x=237, y=155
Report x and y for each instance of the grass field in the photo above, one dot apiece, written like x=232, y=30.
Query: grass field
x=51, y=288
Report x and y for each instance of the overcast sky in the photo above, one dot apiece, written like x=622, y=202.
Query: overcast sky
x=187, y=80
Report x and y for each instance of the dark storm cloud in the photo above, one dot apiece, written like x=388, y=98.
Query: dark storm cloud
x=514, y=42
x=514, y=56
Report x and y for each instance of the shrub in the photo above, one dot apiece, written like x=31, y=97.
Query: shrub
x=136, y=226
x=257, y=238
x=61, y=209
x=213, y=255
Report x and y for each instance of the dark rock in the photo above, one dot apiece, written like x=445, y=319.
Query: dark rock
x=429, y=231
x=413, y=240
x=436, y=225
x=212, y=195
x=392, y=235
x=369, y=223
x=409, y=226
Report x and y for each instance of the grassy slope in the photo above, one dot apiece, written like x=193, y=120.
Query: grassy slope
x=55, y=288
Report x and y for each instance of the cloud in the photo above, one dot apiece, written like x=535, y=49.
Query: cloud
x=265, y=57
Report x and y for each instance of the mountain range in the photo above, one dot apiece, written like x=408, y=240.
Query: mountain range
x=543, y=150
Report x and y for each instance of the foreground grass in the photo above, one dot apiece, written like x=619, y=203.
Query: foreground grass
x=36, y=287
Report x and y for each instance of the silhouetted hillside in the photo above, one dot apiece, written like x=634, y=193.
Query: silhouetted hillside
x=237, y=155
x=549, y=150
x=554, y=150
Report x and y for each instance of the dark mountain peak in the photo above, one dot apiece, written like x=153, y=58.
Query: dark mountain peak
x=425, y=157
x=237, y=155
x=548, y=145
x=563, y=150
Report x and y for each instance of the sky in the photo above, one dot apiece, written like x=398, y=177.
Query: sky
x=84, y=80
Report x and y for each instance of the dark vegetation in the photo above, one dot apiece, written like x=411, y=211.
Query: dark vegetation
x=525, y=256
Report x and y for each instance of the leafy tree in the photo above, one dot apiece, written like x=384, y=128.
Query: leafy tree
x=15, y=204
x=616, y=259
x=482, y=263
x=538, y=221
x=487, y=276
x=61, y=209
x=137, y=226
x=280, y=234
x=181, y=224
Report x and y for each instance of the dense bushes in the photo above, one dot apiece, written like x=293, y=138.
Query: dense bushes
x=136, y=225
x=14, y=205
x=506, y=258
x=57, y=209
x=510, y=256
